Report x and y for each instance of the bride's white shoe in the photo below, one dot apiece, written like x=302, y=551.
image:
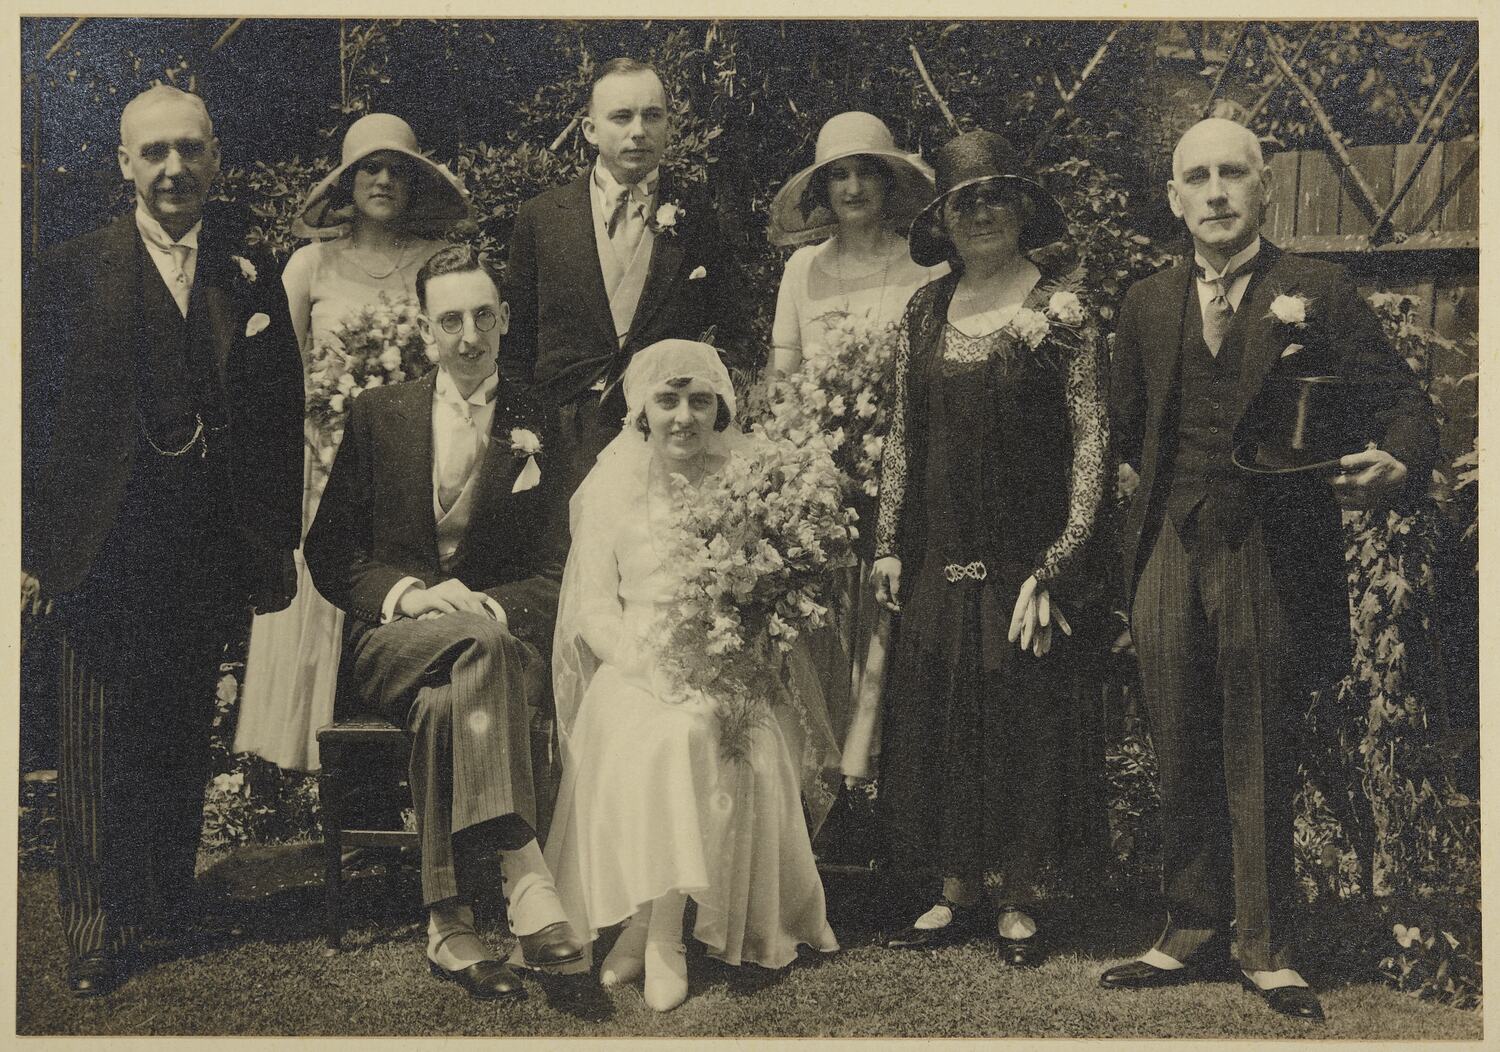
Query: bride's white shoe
x=626, y=958
x=666, y=975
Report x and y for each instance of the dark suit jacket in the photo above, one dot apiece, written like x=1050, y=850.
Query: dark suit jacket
x=375, y=524
x=82, y=333
x=562, y=336
x=1300, y=519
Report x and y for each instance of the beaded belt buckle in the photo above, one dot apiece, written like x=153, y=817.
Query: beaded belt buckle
x=956, y=572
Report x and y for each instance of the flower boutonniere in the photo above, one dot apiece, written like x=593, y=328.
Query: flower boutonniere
x=525, y=443
x=664, y=219
x=1029, y=326
x=1290, y=309
x=247, y=269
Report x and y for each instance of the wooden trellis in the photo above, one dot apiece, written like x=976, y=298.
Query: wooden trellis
x=1376, y=216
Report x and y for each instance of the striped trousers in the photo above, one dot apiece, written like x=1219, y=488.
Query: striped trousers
x=133, y=759
x=1210, y=635
x=464, y=688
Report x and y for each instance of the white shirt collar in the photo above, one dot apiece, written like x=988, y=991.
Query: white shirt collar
x=157, y=235
x=607, y=187
x=1234, y=266
x=447, y=390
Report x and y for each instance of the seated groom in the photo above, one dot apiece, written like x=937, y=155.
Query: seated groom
x=442, y=535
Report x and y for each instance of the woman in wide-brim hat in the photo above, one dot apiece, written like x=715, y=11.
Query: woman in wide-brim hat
x=992, y=480
x=854, y=202
x=378, y=205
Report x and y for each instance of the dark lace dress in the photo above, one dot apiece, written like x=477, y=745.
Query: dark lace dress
x=990, y=764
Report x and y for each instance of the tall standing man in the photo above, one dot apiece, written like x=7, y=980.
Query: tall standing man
x=614, y=261
x=1237, y=581
x=162, y=485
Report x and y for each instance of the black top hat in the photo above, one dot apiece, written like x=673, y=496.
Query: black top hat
x=1306, y=423
x=976, y=157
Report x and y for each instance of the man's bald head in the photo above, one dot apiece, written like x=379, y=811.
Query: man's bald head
x=1219, y=131
x=1220, y=187
x=168, y=150
x=138, y=110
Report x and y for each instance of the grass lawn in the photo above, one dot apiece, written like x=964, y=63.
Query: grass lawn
x=262, y=972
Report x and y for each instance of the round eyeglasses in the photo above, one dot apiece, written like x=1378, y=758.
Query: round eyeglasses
x=453, y=322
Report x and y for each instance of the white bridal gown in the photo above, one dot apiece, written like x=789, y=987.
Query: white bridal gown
x=648, y=805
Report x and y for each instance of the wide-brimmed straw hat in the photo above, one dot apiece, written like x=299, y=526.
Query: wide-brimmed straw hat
x=796, y=220
x=977, y=157
x=437, y=195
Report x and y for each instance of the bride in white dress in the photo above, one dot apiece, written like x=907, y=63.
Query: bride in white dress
x=650, y=813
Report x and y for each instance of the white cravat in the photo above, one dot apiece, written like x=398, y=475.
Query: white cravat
x=176, y=259
x=460, y=432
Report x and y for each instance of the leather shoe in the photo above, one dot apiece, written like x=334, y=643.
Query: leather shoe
x=551, y=947
x=485, y=980
x=1021, y=953
x=93, y=976
x=963, y=926
x=1138, y=975
x=1296, y=1001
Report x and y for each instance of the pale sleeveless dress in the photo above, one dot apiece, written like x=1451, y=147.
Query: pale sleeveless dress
x=648, y=805
x=292, y=665
x=852, y=656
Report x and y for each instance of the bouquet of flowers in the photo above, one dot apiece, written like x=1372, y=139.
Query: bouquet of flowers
x=841, y=391
x=752, y=547
x=376, y=344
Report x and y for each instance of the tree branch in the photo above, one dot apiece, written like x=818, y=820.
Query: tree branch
x=932, y=88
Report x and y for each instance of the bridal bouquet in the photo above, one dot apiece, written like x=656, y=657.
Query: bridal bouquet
x=841, y=391
x=752, y=547
x=376, y=344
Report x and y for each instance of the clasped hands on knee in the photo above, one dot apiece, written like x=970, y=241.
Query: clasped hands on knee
x=447, y=597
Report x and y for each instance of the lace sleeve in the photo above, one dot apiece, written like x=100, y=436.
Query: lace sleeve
x=894, y=452
x=1089, y=425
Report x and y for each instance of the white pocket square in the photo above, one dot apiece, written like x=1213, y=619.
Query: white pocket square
x=698, y=272
x=530, y=475
x=257, y=323
x=1291, y=349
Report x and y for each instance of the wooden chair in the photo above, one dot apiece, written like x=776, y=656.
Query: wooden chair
x=360, y=753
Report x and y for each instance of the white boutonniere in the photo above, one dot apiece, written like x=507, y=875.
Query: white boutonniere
x=247, y=269
x=525, y=443
x=1067, y=308
x=1290, y=310
x=257, y=323
x=664, y=220
x=698, y=272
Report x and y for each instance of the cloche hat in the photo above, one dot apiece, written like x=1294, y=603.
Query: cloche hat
x=796, y=220
x=437, y=195
x=976, y=157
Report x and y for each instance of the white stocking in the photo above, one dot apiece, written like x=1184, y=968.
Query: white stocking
x=665, y=958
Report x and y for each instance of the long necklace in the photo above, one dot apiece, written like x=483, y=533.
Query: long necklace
x=400, y=259
x=838, y=276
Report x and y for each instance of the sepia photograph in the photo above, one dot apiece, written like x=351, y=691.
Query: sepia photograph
x=748, y=528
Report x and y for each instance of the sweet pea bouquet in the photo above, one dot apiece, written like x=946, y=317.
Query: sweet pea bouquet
x=752, y=547
x=840, y=391
x=376, y=344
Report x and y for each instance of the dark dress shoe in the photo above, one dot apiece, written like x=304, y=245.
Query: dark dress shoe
x=485, y=980
x=1138, y=975
x=963, y=926
x=1298, y=1002
x=1021, y=953
x=551, y=947
x=93, y=976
